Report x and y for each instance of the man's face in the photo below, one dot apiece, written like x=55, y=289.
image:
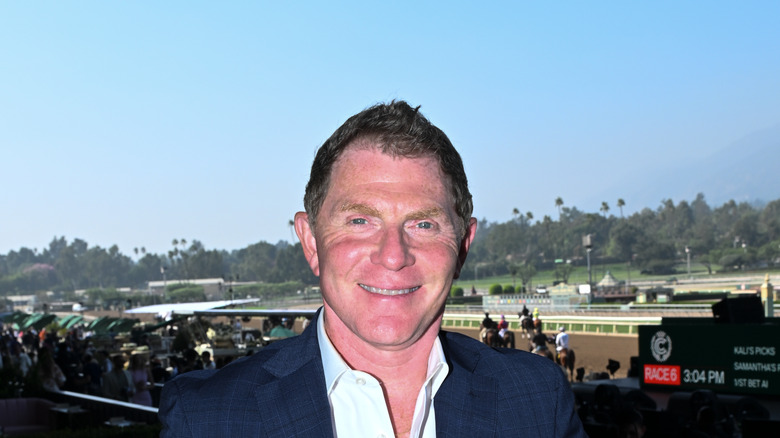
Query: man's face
x=387, y=247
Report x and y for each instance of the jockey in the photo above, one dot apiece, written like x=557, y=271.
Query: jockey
x=503, y=325
x=539, y=342
x=488, y=321
x=537, y=321
x=562, y=340
x=525, y=311
x=487, y=324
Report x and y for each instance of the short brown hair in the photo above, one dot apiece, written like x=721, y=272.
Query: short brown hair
x=398, y=130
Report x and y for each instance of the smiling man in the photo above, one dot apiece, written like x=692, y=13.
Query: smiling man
x=387, y=229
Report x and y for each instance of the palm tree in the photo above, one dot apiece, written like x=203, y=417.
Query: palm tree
x=604, y=208
x=620, y=204
x=559, y=204
x=291, y=224
x=529, y=215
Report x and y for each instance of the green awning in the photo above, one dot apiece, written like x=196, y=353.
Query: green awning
x=15, y=318
x=37, y=321
x=122, y=325
x=69, y=321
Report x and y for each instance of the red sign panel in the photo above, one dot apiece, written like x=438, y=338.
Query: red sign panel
x=662, y=374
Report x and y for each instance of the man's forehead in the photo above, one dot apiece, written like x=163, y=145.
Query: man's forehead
x=346, y=165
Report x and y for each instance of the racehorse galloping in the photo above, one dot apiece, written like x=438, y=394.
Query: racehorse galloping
x=566, y=360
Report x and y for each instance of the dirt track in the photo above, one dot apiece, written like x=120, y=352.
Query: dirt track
x=593, y=351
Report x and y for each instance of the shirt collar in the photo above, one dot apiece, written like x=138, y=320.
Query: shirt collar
x=334, y=364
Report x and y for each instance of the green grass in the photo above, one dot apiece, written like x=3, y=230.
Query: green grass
x=618, y=270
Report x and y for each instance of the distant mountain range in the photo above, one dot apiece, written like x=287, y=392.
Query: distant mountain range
x=746, y=171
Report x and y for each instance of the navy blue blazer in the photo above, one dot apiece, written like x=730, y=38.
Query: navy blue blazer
x=280, y=392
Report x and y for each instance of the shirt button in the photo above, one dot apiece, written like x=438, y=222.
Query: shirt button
x=361, y=381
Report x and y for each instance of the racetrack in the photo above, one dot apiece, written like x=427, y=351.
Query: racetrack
x=592, y=351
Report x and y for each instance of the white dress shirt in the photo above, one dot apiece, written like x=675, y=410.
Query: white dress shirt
x=357, y=402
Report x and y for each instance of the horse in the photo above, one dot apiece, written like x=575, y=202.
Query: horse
x=488, y=332
x=526, y=325
x=543, y=351
x=508, y=340
x=538, y=325
x=490, y=337
x=566, y=360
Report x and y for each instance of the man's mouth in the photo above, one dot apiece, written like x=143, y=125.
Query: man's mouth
x=376, y=290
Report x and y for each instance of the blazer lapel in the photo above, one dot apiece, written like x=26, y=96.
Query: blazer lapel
x=295, y=405
x=466, y=403
x=296, y=402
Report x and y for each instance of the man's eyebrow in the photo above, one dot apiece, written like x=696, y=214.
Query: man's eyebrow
x=432, y=212
x=353, y=207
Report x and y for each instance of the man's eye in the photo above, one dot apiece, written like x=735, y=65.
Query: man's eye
x=425, y=225
x=358, y=221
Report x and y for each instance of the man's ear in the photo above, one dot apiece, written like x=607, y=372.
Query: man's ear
x=309, y=244
x=465, y=244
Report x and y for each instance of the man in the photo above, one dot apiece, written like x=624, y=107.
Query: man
x=279, y=330
x=387, y=228
x=118, y=383
x=537, y=321
x=503, y=326
x=539, y=342
x=561, y=340
x=208, y=364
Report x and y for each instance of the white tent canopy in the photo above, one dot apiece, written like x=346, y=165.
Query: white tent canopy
x=189, y=308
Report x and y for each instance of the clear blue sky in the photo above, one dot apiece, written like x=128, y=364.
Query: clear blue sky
x=134, y=123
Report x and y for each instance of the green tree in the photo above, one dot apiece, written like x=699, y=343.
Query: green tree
x=656, y=257
x=563, y=271
x=558, y=205
x=185, y=293
x=526, y=273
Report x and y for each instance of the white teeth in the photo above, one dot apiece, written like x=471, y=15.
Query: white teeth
x=376, y=290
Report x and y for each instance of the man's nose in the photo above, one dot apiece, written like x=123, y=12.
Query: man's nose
x=393, y=250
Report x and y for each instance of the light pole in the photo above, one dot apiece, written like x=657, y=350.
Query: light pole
x=229, y=280
x=688, y=256
x=588, y=244
x=628, y=285
x=590, y=280
x=165, y=283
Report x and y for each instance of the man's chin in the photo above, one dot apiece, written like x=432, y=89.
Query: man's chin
x=394, y=336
